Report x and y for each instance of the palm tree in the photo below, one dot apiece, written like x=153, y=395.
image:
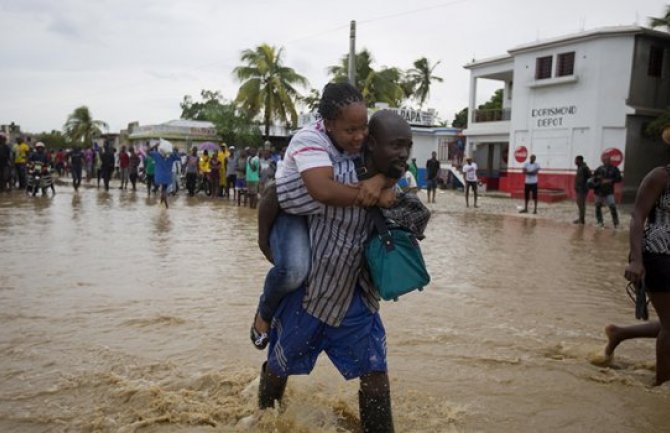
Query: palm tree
x=420, y=79
x=663, y=21
x=268, y=86
x=376, y=86
x=81, y=128
x=311, y=101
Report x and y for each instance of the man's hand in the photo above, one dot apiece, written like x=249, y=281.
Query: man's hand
x=387, y=198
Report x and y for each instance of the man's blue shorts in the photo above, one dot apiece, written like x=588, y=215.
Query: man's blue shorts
x=356, y=347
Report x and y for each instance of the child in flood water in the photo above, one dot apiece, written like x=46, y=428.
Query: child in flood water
x=282, y=236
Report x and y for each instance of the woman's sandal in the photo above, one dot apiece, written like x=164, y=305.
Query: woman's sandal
x=259, y=339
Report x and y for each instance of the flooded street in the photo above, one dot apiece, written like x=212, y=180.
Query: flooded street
x=117, y=315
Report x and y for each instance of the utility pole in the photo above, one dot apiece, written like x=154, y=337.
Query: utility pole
x=352, y=54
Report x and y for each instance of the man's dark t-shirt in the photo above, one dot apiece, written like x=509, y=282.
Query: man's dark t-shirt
x=606, y=172
x=432, y=168
x=5, y=153
x=76, y=158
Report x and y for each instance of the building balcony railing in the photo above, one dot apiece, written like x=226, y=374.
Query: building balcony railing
x=494, y=115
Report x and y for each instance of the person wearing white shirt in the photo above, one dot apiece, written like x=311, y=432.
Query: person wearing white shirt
x=470, y=174
x=530, y=170
x=407, y=183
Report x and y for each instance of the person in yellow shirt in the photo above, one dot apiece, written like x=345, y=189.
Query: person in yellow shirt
x=204, y=172
x=21, y=151
x=222, y=157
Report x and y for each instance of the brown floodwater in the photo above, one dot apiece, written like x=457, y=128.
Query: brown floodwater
x=117, y=315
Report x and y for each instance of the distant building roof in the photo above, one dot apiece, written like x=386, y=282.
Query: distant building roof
x=179, y=129
x=589, y=34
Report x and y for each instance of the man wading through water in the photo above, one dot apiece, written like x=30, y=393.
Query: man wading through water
x=337, y=310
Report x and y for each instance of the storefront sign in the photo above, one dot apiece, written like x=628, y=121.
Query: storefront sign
x=552, y=116
x=616, y=156
x=415, y=117
x=520, y=153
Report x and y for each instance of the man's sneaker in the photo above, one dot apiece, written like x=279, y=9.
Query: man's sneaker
x=578, y=221
x=600, y=226
x=523, y=211
x=616, y=226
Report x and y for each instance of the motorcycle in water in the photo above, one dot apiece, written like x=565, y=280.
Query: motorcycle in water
x=39, y=177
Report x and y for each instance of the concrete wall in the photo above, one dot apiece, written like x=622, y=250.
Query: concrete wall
x=593, y=100
x=646, y=91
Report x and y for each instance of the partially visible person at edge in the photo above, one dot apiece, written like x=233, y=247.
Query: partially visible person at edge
x=604, y=178
x=89, y=161
x=204, y=169
x=214, y=173
x=412, y=168
x=240, y=182
x=5, y=154
x=432, y=170
x=163, y=171
x=21, y=151
x=581, y=187
x=107, y=160
x=308, y=160
x=223, y=157
x=252, y=176
x=149, y=173
x=133, y=167
x=76, y=161
x=407, y=183
x=97, y=164
x=337, y=311
x=175, y=171
x=470, y=174
x=192, y=171
x=649, y=264
x=231, y=170
x=124, y=172
x=530, y=171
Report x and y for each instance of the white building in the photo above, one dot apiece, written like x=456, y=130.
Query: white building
x=581, y=94
x=182, y=133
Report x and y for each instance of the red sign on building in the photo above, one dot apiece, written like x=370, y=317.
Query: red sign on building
x=520, y=153
x=616, y=156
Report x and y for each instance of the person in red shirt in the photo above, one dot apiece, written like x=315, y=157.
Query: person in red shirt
x=124, y=163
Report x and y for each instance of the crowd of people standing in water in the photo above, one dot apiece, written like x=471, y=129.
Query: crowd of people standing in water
x=218, y=172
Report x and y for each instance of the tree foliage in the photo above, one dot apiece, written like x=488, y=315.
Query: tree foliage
x=268, y=86
x=461, y=119
x=663, y=21
x=495, y=103
x=81, y=128
x=53, y=140
x=390, y=85
x=233, y=125
x=383, y=85
x=420, y=78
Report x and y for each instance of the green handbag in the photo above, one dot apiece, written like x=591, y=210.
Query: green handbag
x=394, y=260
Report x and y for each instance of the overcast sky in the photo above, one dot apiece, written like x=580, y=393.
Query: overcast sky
x=134, y=60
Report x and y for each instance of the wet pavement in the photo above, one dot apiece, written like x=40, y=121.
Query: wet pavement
x=117, y=315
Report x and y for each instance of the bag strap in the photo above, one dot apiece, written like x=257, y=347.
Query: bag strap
x=379, y=221
x=382, y=229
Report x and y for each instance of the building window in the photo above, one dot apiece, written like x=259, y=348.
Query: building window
x=543, y=67
x=655, y=61
x=565, y=64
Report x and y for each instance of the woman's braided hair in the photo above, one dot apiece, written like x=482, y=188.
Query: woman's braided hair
x=335, y=97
